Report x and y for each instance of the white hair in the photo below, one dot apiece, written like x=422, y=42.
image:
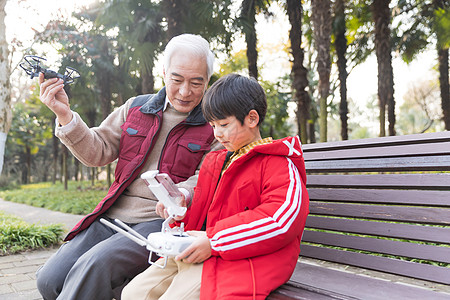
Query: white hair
x=193, y=44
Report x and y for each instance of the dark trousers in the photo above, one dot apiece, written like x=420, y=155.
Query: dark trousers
x=95, y=265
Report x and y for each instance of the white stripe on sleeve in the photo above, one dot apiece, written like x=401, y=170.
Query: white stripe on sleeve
x=259, y=230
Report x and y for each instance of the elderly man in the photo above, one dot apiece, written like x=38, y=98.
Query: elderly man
x=165, y=132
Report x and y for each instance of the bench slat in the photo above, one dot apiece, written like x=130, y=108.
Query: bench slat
x=434, y=216
x=302, y=292
x=396, y=248
x=406, y=268
x=352, y=285
x=409, y=197
x=426, y=163
x=402, y=181
x=395, y=204
x=394, y=230
x=381, y=152
x=415, y=139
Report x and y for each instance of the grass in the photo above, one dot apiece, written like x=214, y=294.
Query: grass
x=80, y=198
x=17, y=235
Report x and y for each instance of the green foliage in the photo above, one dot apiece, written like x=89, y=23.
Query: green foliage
x=213, y=20
x=16, y=235
x=418, y=23
x=80, y=198
x=359, y=33
x=6, y=183
x=442, y=26
x=29, y=133
x=136, y=26
x=235, y=63
x=275, y=123
x=29, y=128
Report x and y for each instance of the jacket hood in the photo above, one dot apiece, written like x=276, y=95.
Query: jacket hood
x=289, y=147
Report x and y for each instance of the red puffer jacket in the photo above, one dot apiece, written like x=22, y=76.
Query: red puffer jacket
x=255, y=218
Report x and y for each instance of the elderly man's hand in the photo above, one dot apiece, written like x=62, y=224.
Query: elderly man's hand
x=52, y=94
x=162, y=211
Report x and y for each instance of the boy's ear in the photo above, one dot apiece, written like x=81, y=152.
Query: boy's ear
x=252, y=118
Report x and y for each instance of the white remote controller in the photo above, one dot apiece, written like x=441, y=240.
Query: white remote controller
x=170, y=241
x=166, y=191
x=167, y=244
x=164, y=244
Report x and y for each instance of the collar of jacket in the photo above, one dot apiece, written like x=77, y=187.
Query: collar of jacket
x=155, y=103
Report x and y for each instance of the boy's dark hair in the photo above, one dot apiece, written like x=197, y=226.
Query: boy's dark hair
x=234, y=95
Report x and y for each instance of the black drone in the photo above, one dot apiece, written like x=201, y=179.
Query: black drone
x=32, y=66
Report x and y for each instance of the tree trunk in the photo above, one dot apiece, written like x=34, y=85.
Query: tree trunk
x=321, y=17
x=299, y=72
x=443, y=72
x=148, y=83
x=64, y=166
x=28, y=165
x=5, y=92
x=105, y=94
x=61, y=167
x=381, y=17
x=55, y=143
x=93, y=176
x=77, y=169
x=248, y=14
x=174, y=16
x=81, y=171
x=444, y=86
x=341, y=49
x=91, y=116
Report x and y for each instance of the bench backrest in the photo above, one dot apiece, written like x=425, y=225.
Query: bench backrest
x=381, y=204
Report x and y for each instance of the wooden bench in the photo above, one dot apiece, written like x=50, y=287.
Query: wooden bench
x=379, y=214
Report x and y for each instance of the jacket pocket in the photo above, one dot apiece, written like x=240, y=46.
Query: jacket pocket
x=188, y=156
x=248, y=195
x=130, y=143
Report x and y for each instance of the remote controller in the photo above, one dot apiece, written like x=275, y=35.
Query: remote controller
x=170, y=241
x=166, y=191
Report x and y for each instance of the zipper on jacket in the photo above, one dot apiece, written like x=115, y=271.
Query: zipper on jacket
x=227, y=157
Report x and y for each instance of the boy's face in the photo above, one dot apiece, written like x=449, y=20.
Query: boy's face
x=232, y=134
x=185, y=80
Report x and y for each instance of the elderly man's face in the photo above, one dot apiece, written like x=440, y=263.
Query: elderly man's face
x=186, y=81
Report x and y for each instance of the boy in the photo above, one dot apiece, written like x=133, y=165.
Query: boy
x=251, y=201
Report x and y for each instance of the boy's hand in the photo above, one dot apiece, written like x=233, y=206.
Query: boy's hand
x=198, y=251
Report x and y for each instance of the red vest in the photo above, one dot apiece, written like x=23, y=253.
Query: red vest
x=183, y=150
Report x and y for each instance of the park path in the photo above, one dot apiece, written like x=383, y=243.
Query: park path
x=17, y=272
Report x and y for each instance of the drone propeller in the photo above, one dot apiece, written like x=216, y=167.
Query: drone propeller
x=33, y=67
x=70, y=75
x=36, y=58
